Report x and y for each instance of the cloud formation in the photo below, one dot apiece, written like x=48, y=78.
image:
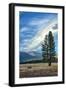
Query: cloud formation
x=39, y=37
x=34, y=28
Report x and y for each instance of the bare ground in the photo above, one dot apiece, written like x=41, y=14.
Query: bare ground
x=38, y=70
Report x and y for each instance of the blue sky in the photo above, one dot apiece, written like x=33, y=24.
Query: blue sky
x=33, y=26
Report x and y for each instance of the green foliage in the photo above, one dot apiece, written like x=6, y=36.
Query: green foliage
x=48, y=48
x=54, y=60
x=45, y=48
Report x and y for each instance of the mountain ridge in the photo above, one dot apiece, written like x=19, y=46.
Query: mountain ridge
x=24, y=57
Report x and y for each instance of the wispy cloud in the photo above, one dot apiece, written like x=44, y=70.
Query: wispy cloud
x=23, y=29
x=37, y=22
x=33, y=32
x=39, y=37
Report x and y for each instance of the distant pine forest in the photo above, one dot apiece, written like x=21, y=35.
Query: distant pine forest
x=55, y=60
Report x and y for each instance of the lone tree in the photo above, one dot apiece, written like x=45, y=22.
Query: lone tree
x=45, y=49
x=51, y=47
x=48, y=48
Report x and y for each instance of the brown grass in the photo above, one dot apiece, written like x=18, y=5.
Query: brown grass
x=38, y=70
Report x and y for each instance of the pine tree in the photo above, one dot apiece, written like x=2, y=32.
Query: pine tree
x=48, y=48
x=51, y=46
x=45, y=49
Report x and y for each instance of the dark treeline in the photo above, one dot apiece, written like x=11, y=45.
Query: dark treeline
x=55, y=60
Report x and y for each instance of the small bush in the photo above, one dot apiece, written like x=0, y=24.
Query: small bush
x=29, y=67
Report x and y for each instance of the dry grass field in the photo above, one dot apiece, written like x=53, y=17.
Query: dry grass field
x=38, y=70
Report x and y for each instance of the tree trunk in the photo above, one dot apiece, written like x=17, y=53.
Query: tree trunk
x=50, y=60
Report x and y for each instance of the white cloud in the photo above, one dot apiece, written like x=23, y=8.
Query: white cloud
x=23, y=29
x=25, y=40
x=35, y=22
x=38, y=21
x=23, y=49
x=36, y=41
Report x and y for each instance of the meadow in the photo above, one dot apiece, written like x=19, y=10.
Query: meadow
x=38, y=70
